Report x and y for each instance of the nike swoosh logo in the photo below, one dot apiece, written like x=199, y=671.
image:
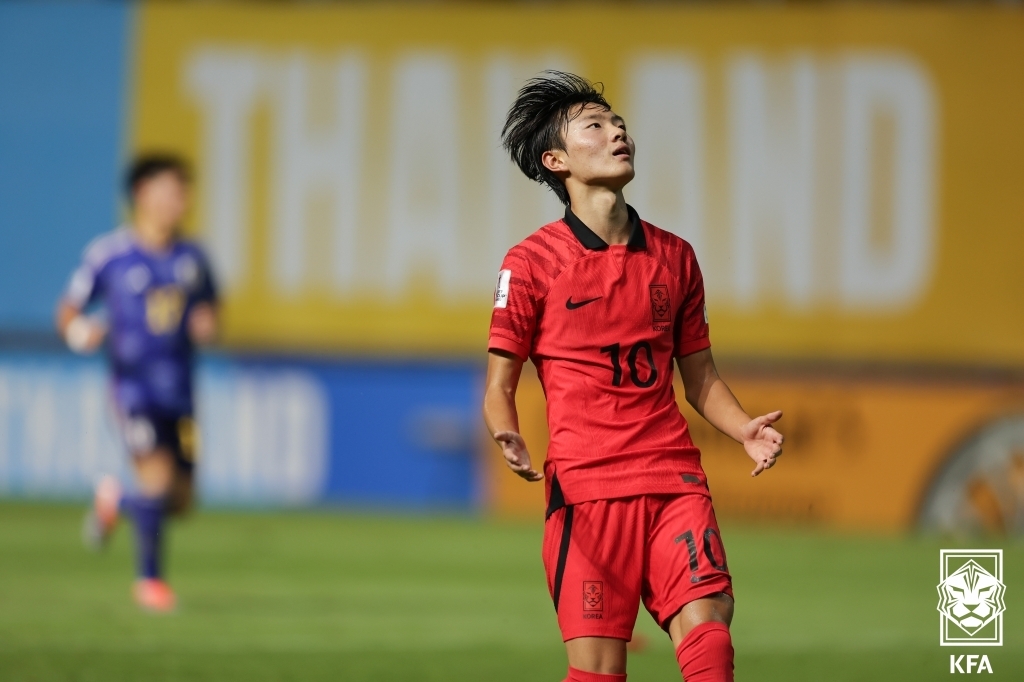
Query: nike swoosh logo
x=573, y=306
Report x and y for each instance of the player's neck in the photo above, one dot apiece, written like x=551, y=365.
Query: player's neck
x=604, y=212
x=151, y=237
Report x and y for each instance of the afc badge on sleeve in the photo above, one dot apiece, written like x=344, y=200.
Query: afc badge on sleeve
x=501, y=291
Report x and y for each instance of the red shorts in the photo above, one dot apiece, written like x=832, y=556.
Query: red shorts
x=603, y=557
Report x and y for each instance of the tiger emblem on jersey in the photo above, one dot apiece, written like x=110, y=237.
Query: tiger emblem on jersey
x=593, y=595
x=661, y=305
x=971, y=597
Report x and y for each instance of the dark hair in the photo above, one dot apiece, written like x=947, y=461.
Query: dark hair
x=146, y=166
x=538, y=118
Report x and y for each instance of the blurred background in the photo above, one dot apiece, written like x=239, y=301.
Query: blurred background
x=850, y=175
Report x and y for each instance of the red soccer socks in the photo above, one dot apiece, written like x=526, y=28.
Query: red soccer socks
x=705, y=654
x=581, y=676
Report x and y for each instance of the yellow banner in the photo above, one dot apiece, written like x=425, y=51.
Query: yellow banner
x=849, y=176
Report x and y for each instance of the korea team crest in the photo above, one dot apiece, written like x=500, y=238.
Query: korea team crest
x=593, y=595
x=661, y=305
x=971, y=594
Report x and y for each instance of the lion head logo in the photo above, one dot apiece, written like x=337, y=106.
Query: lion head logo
x=593, y=596
x=971, y=597
x=661, y=306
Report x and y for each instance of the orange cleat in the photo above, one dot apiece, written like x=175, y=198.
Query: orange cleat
x=101, y=520
x=154, y=595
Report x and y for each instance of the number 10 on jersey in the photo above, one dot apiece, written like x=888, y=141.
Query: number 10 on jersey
x=615, y=352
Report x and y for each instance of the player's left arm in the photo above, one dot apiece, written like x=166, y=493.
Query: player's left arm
x=204, y=314
x=714, y=401
x=204, y=323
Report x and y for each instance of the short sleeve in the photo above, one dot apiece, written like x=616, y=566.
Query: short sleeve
x=514, y=317
x=87, y=283
x=691, y=327
x=207, y=291
x=84, y=287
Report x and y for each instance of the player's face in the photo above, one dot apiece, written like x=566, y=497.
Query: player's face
x=163, y=200
x=598, y=150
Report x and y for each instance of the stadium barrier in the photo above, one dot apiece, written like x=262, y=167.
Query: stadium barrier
x=273, y=432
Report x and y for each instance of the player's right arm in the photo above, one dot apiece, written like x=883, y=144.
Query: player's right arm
x=512, y=326
x=83, y=333
x=503, y=372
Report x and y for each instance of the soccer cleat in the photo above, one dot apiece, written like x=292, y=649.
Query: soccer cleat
x=101, y=519
x=153, y=594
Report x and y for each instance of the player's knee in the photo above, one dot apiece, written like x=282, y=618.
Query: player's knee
x=714, y=608
x=706, y=653
x=154, y=470
x=725, y=606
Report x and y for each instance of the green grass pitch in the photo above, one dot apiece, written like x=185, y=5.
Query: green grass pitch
x=345, y=597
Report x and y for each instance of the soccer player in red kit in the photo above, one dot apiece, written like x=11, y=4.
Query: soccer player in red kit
x=604, y=303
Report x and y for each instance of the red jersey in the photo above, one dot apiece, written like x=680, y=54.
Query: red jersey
x=603, y=325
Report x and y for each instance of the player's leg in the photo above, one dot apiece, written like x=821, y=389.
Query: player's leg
x=593, y=558
x=182, y=495
x=153, y=462
x=688, y=588
x=183, y=448
x=152, y=440
x=147, y=507
x=165, y=477
x=596, y=659
x=101, y=519
x=716, y=608
x=701, y=637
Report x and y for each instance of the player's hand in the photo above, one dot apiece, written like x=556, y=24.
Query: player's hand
x=762, y=442
x=85, y=334
x=513, y=447
x=202, y=324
